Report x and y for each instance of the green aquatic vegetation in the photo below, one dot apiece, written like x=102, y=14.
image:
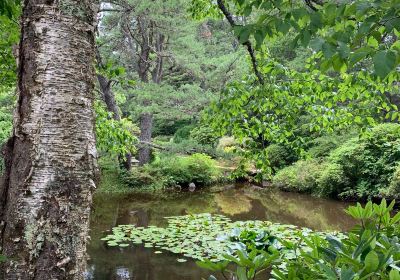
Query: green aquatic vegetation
x=253, y=239
x=205, y=236
x=371, y=251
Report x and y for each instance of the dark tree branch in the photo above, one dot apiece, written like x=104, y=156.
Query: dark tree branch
x=247, y=44
x=311, y=4
x=109, y=10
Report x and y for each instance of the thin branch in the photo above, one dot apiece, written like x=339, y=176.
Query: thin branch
x=109, y=10
x=311, y=4
x=247, y=44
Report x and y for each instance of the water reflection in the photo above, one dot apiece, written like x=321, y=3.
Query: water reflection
x=240, y=203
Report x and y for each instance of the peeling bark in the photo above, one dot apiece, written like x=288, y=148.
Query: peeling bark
x=51, y=157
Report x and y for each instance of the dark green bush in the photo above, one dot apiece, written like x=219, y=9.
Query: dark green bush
x=146, y=177
x=393, y=191
x=163, y=126
x=280, y=156
x=183, y=133
x=323, y=145
x=370, y=251
x=365, y=167
x=190, y=146
x=370, y=161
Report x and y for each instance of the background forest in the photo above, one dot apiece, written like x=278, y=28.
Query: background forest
x=198, y=95
x=177, y=90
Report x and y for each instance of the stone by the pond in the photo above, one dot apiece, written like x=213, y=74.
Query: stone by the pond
x=192, y=187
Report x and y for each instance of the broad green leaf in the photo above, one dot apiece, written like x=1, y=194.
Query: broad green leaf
x=384, y=62
x=371, y=262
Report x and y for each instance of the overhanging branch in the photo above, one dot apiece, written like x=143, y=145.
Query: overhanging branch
x=247, y=44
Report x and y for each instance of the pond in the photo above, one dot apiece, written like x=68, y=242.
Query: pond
x=238, y=202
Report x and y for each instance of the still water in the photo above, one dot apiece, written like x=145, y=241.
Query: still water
x=237, y=202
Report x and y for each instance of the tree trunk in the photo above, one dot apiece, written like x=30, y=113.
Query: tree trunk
x=158, y=69
x=51, y=159
x=109, y=98
x=146, y=126
x=144, y=56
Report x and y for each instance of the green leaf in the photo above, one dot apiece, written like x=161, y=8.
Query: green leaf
x=244, y=34
x=241, y=273
x=392, y=23
x=384, y=63
x=316, y=44
x=347, y=274
x=371, y=262
x=282, y=27
x=305, y=38
x=344, y=50
x=394, y=275
x=360, y=54
x=328, y=49
x=259, y=36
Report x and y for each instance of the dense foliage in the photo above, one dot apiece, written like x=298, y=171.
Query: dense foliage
x=362, y=167
x=9, y=37
x=258, y=116
x=370, y=251
x=174, y=171
x=344, y=33
x=114, y=137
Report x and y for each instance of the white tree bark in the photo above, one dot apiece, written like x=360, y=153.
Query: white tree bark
x=51, y=158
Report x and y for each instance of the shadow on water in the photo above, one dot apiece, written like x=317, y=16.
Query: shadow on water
x=238, y=203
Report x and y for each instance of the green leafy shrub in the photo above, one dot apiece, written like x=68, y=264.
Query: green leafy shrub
x=362, y=167
x=302, y=176
x=170, y=171
x=146, y=177
x=197, y=168
x=323, y=145
x=369, y=162
x=114, y=137
x=394, y=188
x=370, y=251
x=188, y=147
x=331, y=181
x=226, y=143
x=204, y=135
x=254, y=239
x=183, y=133
x=280, y=156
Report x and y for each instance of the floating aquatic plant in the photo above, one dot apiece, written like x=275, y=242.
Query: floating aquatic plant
x=201, y=236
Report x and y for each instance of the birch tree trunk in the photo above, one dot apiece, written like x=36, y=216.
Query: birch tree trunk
x=51, y=158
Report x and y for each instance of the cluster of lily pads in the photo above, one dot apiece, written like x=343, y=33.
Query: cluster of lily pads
x=199, y=237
